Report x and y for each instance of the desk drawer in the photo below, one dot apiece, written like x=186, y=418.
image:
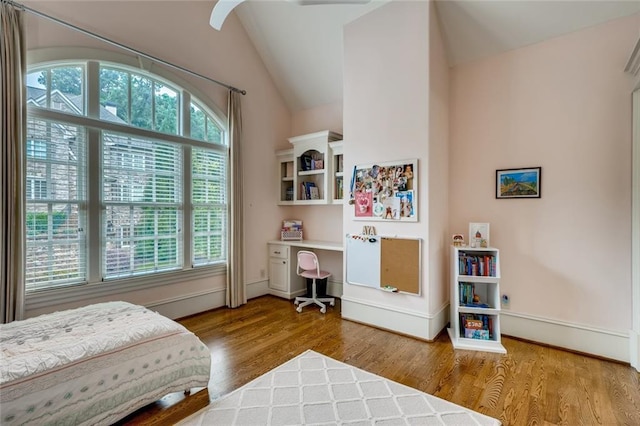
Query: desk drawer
x=281, y=251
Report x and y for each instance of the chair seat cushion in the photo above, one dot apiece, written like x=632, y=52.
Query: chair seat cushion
x=313, y=274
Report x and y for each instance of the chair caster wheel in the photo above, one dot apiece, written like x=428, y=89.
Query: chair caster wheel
x=295, y=302
x=299, y=309
x=333, y=303
x=323, y=310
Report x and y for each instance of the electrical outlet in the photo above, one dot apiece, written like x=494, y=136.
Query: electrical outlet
x=504, y=301
x=263, y=273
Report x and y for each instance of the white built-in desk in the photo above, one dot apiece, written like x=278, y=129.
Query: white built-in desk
x=283, y=278
x=312, y=244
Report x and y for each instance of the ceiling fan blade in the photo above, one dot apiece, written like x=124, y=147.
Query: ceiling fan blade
x=220, y=12
x=319, y=2
x=223, y=7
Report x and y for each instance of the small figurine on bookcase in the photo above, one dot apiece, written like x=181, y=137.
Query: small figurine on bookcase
x=458, y=240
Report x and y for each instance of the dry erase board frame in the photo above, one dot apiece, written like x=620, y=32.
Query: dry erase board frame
x=376, y=261
x=386, y=191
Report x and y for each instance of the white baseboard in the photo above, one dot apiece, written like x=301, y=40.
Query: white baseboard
x=334, y=288
x=190, y=304
x=634, y=346
x=257, y=289
x=605, y=343
x=411, y=323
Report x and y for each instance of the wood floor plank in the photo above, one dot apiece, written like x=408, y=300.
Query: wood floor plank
x=530, y=385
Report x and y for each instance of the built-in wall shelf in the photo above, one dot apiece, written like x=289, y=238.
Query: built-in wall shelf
x=308, y=173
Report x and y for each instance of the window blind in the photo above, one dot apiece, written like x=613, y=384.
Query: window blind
x=143, y=205
x=209, y=198
x=55, y=197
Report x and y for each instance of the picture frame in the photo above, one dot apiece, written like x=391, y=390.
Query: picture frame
x=386, y=191
x=479, y=235
x=519, y=183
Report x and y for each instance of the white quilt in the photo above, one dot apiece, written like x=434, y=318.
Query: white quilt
x=94, y=365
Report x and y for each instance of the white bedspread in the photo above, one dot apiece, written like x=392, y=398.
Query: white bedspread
x=94, y=365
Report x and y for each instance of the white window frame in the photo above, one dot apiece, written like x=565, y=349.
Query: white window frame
x=95, y=286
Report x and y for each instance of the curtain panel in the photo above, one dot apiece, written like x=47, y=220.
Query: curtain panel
x=236, y=291
x=12, y=162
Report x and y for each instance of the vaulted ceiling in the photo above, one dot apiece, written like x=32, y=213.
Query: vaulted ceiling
x=301, y=46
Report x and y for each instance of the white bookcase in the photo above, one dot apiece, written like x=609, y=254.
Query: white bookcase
x=475, y=325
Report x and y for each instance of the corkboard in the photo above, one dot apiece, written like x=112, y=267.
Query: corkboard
x=400, y=264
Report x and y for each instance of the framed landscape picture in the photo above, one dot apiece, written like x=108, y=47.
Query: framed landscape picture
x=518, y=183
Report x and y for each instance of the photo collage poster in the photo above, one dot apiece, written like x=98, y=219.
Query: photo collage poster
x=386, y=191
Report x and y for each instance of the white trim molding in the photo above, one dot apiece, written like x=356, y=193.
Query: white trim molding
x=634, y=352
x=189, y=304
x=576, y=337
x=257, y=289
x=403, y=321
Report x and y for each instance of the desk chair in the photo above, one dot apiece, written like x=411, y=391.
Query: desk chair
x=309, y=267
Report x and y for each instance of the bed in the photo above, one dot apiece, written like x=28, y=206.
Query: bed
x=95, y=365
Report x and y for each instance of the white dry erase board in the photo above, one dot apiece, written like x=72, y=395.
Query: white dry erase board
x=377, y=261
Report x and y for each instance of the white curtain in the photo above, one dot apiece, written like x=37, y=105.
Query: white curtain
x=236, y=292
x=12, y=162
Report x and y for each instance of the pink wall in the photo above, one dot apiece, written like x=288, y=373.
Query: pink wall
x=179, y=32
x=564, y=105
x=324, y=117
x=439, y=238
x=386, y=118
x=320, y=222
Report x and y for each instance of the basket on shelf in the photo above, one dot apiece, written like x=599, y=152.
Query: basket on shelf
x=291, y=230
x=291, y=235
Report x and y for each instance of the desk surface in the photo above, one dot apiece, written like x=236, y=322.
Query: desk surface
x=316, y=244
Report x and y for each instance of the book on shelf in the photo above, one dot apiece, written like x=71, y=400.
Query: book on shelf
x=474, y=329
x=314, y=193
x=476, y=326
x=466, y=293
x=309, y=191
x=480, y=334
x=477, y=265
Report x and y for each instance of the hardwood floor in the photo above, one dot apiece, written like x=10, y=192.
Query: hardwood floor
x=531, y=384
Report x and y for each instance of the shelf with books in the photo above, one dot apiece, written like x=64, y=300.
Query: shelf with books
x=475, y=299
x=286, y=178
x=337, y=165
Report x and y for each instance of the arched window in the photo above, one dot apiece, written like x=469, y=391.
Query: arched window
x=126, y=176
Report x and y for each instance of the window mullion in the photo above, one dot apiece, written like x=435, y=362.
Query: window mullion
x=50, y=248
x=187, y=209
x=156, y=240
x=94, y=206
x=129, y=107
